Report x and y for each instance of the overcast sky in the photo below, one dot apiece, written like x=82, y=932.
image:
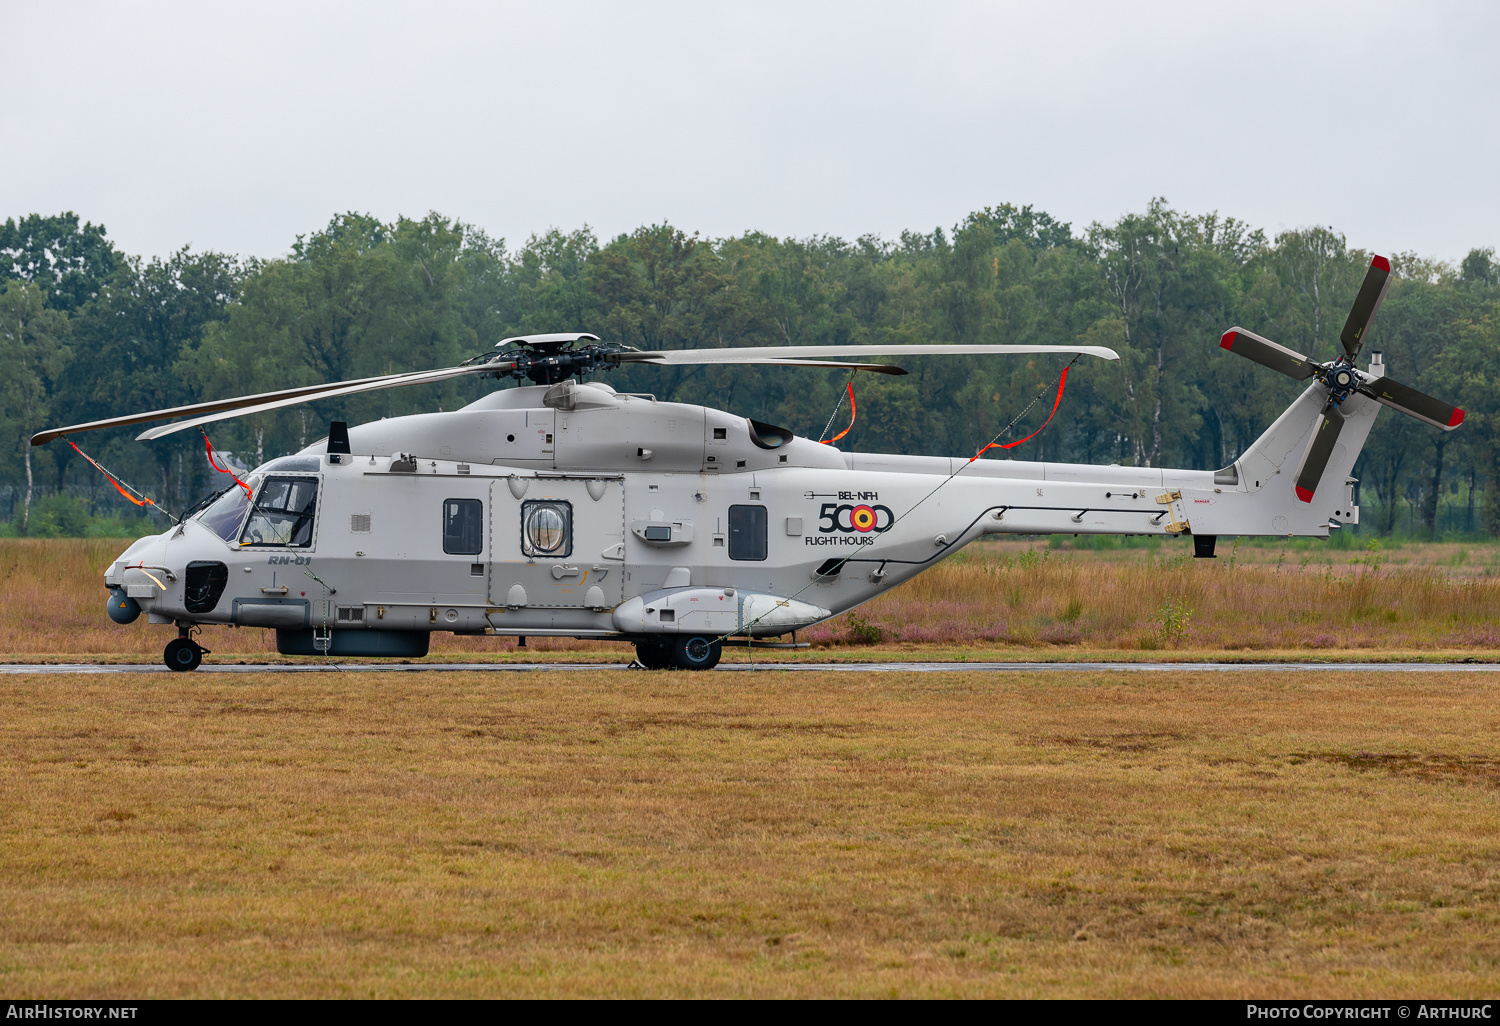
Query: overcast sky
x=237, y=129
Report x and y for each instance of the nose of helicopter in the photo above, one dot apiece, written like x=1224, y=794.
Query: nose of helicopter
x=139, y=578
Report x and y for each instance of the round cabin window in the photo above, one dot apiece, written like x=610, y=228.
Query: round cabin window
x=545, y=529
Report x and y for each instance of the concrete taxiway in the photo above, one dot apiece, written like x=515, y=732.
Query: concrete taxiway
x=894, y=667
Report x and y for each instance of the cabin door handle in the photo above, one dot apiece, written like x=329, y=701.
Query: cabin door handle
x=559, y=572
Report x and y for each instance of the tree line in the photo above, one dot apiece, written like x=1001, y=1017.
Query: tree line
x=88, y=332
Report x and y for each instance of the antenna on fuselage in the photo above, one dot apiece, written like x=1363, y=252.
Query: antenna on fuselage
x=338, y=439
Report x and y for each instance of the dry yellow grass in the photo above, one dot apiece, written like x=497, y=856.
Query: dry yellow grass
x=1030, y=599
x=997, y=601
x=777, y=834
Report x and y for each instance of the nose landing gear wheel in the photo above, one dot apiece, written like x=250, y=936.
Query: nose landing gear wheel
x=183, y=654
x=696, y=652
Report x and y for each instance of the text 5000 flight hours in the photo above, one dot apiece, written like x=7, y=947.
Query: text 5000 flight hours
x=848, y=518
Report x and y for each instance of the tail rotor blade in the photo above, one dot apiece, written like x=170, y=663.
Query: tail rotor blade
x=1377, y=280
x=1319, y=451
x=1266, y=353
x=1417, y=404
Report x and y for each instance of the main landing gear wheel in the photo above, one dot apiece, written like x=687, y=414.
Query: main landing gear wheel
x=695, y=652
x=183, y=654
x=654, y=654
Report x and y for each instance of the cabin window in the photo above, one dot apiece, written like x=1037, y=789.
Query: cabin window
x=283, y=513
x=547, y=529
x=463, y=527
x=747, y=532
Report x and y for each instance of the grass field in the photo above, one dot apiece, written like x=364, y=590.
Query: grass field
x=772, y=834
x=1003, y=600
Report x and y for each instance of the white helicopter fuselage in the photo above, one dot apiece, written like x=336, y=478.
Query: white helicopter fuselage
x=573, y=510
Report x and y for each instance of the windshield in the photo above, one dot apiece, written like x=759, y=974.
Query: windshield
x=283, y=513
x=225, y=514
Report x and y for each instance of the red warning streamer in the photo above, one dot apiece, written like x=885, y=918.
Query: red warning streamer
x=142, y=501
x=1061, y=384
x=852, y=414
x=224, y=469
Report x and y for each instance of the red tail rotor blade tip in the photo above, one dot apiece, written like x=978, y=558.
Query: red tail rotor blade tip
x=1382, y=263
x=1228, y=339
x=1456, y=419
x=1304, y=494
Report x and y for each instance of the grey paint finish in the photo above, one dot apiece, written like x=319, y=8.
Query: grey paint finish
x=650, y=487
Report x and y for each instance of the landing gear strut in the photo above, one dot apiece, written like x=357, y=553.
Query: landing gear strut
x=183, y=653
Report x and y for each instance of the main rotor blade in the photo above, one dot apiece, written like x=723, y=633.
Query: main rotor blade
x=43, y=437
x=1266, y=353
x=878, y=368
x=1377, y=280
x=800, y=354
x=1315, y=460
x=332, y=391
x=786, y=356
x=1417, y=404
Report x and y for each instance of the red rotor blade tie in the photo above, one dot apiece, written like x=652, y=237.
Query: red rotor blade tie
x=1061, y=384
x=852, y=413
x=225, y=468
x=143, y=501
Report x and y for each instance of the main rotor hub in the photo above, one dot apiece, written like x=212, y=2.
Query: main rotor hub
x=549, y=359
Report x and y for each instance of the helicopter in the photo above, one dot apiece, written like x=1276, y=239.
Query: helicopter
x=566, y=508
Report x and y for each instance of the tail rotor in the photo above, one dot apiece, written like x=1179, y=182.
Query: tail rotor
x=1342, y=379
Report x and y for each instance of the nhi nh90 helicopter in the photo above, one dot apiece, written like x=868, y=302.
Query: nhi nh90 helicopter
x=565, y=508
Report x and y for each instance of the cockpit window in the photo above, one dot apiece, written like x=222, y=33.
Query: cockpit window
x=287, y=464
x=224, y=515
x=283, y=513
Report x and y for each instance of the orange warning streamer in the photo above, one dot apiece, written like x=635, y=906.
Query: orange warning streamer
x=225, y=468
x=1061, y=383
x=142, y=501
x=852, y=413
